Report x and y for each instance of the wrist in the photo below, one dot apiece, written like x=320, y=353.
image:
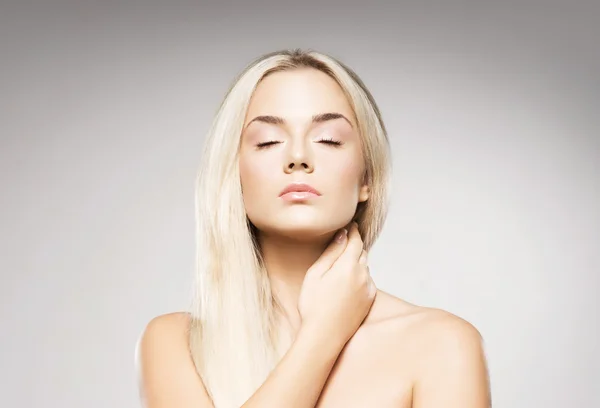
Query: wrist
x=325, y=340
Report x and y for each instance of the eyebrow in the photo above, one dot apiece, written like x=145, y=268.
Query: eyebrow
x=318, y=118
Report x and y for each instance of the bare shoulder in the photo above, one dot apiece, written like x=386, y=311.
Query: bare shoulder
x=163, y=334
x=427, y=324
x=177, y=322
x=165, y=371
x=446, y=339
x=438, y=348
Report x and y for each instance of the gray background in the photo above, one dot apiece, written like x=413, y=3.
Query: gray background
x=492, y=112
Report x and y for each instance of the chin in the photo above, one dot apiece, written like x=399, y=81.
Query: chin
x=302, y=229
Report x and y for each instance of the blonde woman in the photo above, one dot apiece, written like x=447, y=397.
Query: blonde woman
x=291, y=194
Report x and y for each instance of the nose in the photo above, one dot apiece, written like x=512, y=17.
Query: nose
x=298, y=157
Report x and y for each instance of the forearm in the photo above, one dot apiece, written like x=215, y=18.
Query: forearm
x=298, y=379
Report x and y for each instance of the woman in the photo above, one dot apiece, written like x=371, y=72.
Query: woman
x=284, y=314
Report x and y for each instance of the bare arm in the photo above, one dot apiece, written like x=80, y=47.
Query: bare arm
x=298, y=379
x=336, y=296
x=167, y=376
x=453, y=371
x=165, y=371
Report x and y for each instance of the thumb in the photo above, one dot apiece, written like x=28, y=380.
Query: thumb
x=335, y=248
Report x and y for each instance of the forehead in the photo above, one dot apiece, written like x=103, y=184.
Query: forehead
x=297, y=95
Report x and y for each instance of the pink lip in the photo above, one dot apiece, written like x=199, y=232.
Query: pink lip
x=298, y=195
x=299, y=191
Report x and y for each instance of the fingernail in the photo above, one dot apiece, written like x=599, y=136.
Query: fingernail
x=341, y=236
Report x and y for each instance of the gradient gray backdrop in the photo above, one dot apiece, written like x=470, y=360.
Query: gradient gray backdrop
x=492, y=112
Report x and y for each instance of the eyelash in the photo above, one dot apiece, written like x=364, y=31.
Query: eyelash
x=327, y=141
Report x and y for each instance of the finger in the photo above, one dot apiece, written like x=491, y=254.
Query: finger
x=335, y=248
x=367, y=270
x=363, y=261
x=372, y=287
x=354, y=247
x=363, y=257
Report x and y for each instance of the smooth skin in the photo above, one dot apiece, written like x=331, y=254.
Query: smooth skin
x=354, y=346
x=280, y=144
x=400, y=355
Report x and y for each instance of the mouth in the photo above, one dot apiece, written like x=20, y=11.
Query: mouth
x=298, y=196
x=299, y=191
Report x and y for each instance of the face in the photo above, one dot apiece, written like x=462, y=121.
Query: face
x=326, y=154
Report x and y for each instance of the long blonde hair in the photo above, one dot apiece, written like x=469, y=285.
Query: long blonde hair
x=236, y=335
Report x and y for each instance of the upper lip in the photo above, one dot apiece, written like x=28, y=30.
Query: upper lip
x=301, y=187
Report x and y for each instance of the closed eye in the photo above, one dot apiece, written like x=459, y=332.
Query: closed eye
x=331, y=141
x=262, y=145
x=265, y=144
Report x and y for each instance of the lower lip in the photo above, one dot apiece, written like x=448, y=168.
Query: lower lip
x=298, y=196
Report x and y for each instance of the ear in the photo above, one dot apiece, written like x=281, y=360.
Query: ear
x=364, y=193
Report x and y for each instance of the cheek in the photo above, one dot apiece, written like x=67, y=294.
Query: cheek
x=347, y=171
x=255, y=175
x=259, y=186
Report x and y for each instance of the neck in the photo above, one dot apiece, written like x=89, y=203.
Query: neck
x=287, y=260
